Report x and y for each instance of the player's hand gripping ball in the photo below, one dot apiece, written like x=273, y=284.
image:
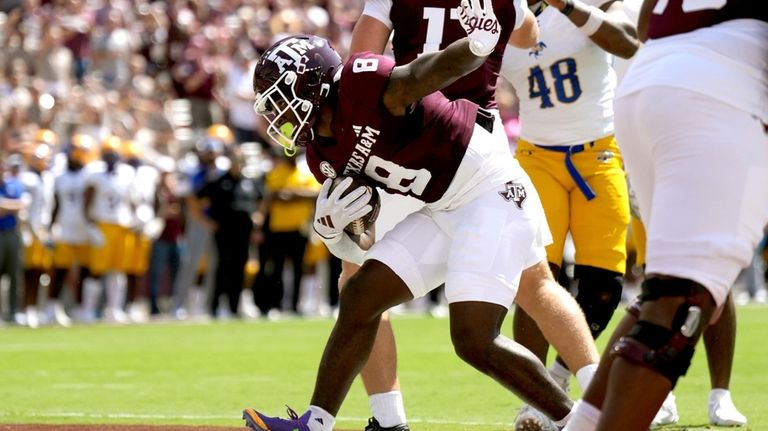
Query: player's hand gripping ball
x=362, y=224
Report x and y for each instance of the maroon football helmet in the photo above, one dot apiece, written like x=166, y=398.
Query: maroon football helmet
x=291, y=80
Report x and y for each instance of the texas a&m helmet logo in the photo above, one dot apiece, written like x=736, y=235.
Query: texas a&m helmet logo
x=514, y=192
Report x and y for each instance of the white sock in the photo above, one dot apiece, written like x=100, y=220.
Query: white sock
x=584, y=417
x=388, y=408
x=557, y=370
x=585, y=374
x=115, y=291
x=320, y=420
x=718, y=394
x=91, y=293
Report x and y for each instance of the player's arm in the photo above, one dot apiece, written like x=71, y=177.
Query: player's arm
x=433, y=71
x=90, y=191
x=11, y=205
x=527, y=35
x=55, y=210
x=369, y=34
x=429, y=73
x=607, y=26
x=645, y=16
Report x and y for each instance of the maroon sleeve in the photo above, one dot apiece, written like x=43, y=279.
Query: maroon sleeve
x=365, y=77
x=416, y=24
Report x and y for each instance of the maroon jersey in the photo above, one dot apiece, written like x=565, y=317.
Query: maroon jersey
x=415, y=155
x=419, y=24
x=683, y=16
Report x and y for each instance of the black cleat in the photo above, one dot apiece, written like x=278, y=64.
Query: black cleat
x=373, y=425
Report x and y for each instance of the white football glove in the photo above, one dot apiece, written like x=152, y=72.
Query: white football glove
x=333, y=213
x=481, y=25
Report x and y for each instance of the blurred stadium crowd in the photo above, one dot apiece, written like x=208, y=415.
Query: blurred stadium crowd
x=160, y=93
x=126, y=128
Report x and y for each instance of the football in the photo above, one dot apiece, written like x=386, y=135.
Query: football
x=359, y=226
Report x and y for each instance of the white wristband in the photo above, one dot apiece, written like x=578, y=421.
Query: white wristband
x=595, y=20
x=346, y=249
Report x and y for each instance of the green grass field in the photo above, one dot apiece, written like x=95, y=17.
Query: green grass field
x=206, y=373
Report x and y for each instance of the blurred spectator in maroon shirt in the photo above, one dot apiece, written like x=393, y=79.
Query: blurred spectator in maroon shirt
x=194, y=79
x=77, y=23
x=166, y=250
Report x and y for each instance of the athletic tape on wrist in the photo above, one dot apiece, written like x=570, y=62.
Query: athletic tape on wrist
x=595, y=20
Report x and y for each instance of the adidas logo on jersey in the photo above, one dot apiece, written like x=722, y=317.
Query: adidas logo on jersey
x=357, y=130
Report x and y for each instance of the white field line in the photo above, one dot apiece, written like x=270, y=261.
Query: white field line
x=158, y=416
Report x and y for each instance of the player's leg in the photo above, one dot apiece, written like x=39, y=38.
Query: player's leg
x=117, y=241
x=667, y=414
x=195, y=243
x=368, y=293
x=599, y=230
x=130, y=264
x=78, y=281
x=31, y=290
x=279, y=253
x=62, y=263
x=684, y=220
x=548, y=174
x=296, y=248
x=553, y=308
x=372, y=290
x=158, y=261
x=55, y=310
x=407, y=262
x=223, y=276
x=11, y=264
x=477, y=339
x=493, y=241
x=525, y=329
x=670, y=326
x=633, y=136
x=379, y=374
x=240, y=245
x=32, y=265
x=720, y=343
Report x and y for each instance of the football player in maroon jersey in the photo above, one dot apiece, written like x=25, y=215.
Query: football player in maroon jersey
x=418, y=27
x=481, y=226
x=697, y=155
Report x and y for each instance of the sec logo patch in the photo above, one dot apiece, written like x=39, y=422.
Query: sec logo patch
x=327, y=169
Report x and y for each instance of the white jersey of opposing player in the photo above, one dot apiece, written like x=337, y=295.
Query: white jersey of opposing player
x=565, y=85
x=144, y=187
x=70, y=225
x=707, y=54
x=145, y=184
x=38, y=196
x=113, y=199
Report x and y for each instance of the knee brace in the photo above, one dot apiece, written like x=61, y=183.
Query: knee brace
x=667, y=351
x=598, y=296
